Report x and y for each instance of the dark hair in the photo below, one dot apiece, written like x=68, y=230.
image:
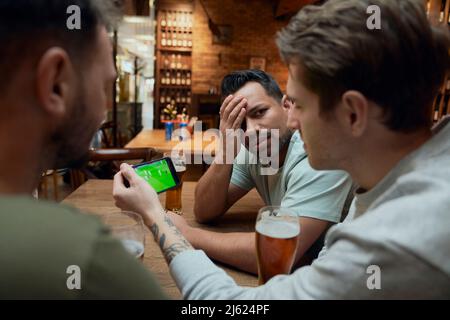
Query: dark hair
x=29, y=27
x=399, y=67
x=237, y=79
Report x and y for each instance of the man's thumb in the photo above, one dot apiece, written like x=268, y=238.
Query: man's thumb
x=128, y=173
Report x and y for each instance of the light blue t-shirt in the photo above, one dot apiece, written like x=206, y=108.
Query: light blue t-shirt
x=310, y=193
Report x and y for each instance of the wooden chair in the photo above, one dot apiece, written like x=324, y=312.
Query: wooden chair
x=43, y=185
x=106, y=132
x=112, y=157
x=43, y=188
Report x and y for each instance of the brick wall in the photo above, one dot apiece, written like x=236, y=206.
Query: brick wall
x=254, y=29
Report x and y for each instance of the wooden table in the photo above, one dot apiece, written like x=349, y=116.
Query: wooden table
x=197, y=145
x=95, y=197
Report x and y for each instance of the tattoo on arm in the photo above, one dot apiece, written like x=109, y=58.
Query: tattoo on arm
x=155, y=230
x=162, y=240
x=180, y=244
x=176, y=248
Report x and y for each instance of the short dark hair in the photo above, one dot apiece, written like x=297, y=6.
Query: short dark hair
x=29, y=27
x=399, y=67
x=237, y=79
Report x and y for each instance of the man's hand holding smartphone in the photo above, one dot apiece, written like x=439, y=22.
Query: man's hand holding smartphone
x=139, y=197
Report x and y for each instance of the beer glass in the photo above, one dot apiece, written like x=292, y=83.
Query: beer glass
x=173, y=196
x=277, y=233
x=128, y=227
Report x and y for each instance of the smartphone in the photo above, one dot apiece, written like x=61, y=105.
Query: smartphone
x=160, y=174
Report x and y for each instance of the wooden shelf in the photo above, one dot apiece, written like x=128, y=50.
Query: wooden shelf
x=174, y=69
x=181, y=11
x=176, y=29
x=174, y=49
x=174, y=86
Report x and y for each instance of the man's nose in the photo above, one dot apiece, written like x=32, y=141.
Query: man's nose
x=252, y=125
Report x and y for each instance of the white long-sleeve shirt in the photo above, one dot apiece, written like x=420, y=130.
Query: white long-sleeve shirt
x=400, y=228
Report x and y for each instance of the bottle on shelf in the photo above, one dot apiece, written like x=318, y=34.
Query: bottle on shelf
x=188, y=97
x=169, y=38
x=188, y=78
x=180, y=40
x=174, y=39
x=181, y=23
x=167, y=96
x=166, y=61
x=173, y=80
x=163, y=39
x=184, y=43
x=178, y=80
x=183, y=19
x=189, y=44
x=169, y=19
x=183, y=97
x=176, y=21
x=183, y=79
x=186, y=20
x=163, y=79
x=190, y=20
x=175, y=17
x=167, y=82
x=178, y=64
x=172, y=62
x=163, y=19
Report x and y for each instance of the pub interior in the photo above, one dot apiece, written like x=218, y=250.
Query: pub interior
x=181, y=67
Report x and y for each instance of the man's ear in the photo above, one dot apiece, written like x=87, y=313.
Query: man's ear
x=285, y=103
x=355, y=112
x=54, y=77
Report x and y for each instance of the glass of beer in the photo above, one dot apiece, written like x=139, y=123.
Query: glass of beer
x=128, y=227
x=277, y=233
x=173, y=196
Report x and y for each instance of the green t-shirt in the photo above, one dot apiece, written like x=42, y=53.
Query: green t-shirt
x=39, y=241
x=309, y=193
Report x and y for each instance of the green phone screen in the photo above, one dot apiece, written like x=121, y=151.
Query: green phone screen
x=158, y=175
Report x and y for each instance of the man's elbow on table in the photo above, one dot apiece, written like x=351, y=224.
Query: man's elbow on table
x=202, y=216
x=204, y=213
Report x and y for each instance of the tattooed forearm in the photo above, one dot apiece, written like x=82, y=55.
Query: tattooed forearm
x=173, y=226
x=171, y=251
x=162, y=240
x=169, y=222
x=155, y=230
x=175, y=245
